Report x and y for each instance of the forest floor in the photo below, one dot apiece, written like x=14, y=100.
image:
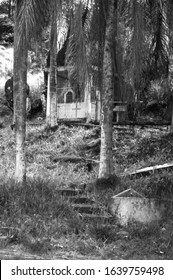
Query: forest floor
x=40, y=225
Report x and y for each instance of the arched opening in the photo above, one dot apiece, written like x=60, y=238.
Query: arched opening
x=69, y=96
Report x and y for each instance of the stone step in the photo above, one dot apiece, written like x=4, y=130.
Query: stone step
x=124, y=128
x=86, y=208
x=125, y=133
x=81, y=200
x=100, y=219
x=127, y=137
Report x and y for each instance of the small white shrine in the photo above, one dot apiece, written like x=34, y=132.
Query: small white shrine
x=74, y=105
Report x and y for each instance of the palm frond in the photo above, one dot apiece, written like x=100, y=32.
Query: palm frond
x=30, y=17
x=97, y=38
x=160, y=43
x=133, y=15
x=76, y=54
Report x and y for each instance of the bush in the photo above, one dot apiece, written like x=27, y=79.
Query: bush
x=157, y=185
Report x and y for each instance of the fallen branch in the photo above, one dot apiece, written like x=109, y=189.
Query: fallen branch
x=151, y=169
x=73, y=159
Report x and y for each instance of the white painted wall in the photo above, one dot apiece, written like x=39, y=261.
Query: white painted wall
x=77, y=110
x=71, y=110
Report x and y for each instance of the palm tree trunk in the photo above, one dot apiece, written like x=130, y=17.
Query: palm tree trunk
x=9, y=8
x=53, y=53
x=48, y=119
x=171, y=109
x=106, y=168
x=19, y=87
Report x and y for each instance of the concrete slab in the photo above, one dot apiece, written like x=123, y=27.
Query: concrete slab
x=129, y=206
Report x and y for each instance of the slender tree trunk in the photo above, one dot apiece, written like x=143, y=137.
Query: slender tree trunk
x=19, y=87
x=106, y=168
x=171, y=109
x=171, y=126
x=15, y=67
x=48, y=112
x=9, y=8
x=53, y=53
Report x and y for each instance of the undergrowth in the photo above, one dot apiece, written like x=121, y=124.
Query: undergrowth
x=40, y=219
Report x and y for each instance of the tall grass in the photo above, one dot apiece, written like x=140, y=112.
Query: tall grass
x=37, y=212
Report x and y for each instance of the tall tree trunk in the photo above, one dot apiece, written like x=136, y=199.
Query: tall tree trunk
x=106, y=168
x=9, y=8
x=53, y=53
x=48, y=111
x=19, y=87
x=171, y=110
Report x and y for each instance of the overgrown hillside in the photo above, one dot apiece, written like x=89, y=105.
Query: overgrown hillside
x=39, y=221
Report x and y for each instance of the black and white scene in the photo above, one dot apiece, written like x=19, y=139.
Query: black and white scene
x=86, y=130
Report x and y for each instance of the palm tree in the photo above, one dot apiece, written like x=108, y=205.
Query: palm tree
x=96, y=51
x=146, y=26
x=29, y=16
x=91, y=46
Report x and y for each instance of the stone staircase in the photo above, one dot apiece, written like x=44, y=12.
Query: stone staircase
x=124, y=132
x=128, y=131
x=88, y=209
